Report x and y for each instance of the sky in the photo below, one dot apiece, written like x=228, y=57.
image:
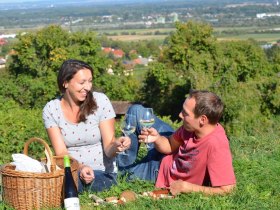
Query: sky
x=21, y=1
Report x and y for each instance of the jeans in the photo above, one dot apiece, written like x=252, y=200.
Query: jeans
x=101, y=182
x=147, y=168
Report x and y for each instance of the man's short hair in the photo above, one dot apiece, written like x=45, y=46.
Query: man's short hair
x=208, y=104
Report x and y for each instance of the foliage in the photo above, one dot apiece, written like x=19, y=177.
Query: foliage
x=34, y=65
x=273, y=55
x=163, y=90
x=119, y=87
x=238, y=71
x=18, y=125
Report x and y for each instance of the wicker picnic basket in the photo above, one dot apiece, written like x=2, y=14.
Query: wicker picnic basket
x=30, y=190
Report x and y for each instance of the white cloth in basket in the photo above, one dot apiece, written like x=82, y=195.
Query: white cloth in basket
x=25, y=163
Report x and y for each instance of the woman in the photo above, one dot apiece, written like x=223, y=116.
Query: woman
x=81, y=123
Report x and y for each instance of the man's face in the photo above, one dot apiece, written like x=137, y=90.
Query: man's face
x=190, y=122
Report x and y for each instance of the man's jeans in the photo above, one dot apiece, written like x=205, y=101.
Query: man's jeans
x=147, y=168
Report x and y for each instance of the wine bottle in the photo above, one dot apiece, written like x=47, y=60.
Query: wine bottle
x=71, y=199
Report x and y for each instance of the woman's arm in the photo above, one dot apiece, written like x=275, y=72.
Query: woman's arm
x=86, y=172
x=57, y=141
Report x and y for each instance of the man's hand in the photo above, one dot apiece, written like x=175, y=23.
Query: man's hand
x=148, y=135
x=179, y=186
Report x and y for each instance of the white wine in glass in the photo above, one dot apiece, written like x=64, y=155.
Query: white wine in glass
x=147, y=120
x=128, y=126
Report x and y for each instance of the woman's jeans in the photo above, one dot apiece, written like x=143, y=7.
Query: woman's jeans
x=147, y=168
x=101, y=182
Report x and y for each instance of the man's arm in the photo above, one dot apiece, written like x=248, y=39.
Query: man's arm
x=180, y=186
x=166, y=145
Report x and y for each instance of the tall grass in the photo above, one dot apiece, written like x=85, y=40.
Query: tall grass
x=256, y=162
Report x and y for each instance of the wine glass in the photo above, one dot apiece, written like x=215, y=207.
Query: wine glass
x=147, y=120
x=128, y=126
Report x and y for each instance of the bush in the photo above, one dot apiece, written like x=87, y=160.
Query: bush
x=17, y=126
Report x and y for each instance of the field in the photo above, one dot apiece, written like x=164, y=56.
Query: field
x=137, y=37
x=265, y=37
x=271, y=38
x=259, y=34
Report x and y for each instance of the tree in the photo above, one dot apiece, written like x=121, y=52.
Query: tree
x=38, y=57
x=238, y=71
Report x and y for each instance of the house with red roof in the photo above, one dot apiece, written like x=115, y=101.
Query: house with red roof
x=117, y=53
x=3, y=41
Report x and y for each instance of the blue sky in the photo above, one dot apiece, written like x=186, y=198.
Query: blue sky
x=20, y=1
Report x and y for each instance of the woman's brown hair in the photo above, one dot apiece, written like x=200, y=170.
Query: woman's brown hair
x=66, y=72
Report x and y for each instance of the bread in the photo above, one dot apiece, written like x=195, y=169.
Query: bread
x=127, y=196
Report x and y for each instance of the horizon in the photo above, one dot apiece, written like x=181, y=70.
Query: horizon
x=99, y=1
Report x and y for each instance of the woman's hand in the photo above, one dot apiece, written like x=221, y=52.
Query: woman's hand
x=148, y=135
x=86, y=174
x=122, y=143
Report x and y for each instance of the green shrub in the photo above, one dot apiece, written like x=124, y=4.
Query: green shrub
x=17, y=126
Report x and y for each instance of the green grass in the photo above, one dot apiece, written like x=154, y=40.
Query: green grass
x=268, y=37
x=257, y=167
x=243, y=33
x=256, y=161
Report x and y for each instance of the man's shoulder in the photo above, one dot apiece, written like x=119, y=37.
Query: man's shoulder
x=219, y=136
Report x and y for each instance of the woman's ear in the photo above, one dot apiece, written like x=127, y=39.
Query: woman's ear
x=65, y=85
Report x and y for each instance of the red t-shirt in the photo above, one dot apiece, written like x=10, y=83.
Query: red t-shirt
x=206, y=161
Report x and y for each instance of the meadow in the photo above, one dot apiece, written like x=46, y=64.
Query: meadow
x=256, y=162
x=222, y=33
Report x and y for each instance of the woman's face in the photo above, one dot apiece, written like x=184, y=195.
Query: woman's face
x=80, y=85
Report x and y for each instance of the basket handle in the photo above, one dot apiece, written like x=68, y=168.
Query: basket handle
x=25, y=151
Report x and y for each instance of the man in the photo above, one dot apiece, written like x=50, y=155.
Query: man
x=198, y=157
